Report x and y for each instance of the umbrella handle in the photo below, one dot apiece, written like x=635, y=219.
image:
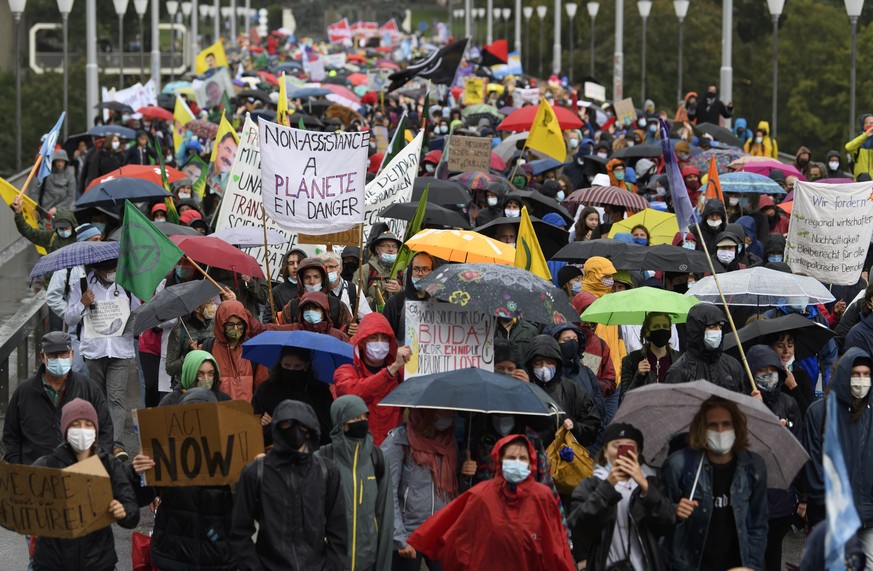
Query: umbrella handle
x=696, y=479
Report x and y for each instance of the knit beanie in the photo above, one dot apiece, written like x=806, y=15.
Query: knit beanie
x=77, y=409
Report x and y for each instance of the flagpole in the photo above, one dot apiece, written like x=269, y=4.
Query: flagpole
x=360, y=273
x=205, y=275
x=33, y=171
x=267, y=264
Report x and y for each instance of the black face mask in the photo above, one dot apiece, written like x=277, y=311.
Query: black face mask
x=570, y=350
x=358, y=429
x=710, y=96
x=293, y=376
x=292, y=437
x=660, y=337
x=349, y=269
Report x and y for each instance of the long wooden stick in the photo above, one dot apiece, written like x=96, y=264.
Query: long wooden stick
x=267, y=260
x=205, y=275
x=33, y=171
x=360, y=292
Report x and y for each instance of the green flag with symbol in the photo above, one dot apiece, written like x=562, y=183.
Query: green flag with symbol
x=145, y=255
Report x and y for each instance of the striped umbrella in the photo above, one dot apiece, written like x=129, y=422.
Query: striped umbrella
x=600, y=195
x=75, y=254
x=723, y=159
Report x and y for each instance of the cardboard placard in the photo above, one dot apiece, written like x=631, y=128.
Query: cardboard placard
x=202, y=444
x=595, y=91
x=444, y=337
x=625, y=113
x=350, y=237
x=47, y=502
x=469, y=153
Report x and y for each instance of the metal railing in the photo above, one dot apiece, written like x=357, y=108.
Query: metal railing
x=20, y=345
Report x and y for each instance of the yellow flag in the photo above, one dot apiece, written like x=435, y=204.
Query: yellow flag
x=545, y=133
x=223, y=129
x=28, y=208
x=474, y=90
x=211, y=58
x=181, y=116
x=282, y=105
x=528, y=255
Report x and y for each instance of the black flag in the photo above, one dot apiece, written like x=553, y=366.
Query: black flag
x=439, y=67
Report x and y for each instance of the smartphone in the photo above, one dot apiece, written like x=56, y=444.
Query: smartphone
x=624, y=449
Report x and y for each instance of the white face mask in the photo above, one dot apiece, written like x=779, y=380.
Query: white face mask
x=725, y=256
x=713, y=223
x=602, y=155
x=512, y=213
x=492, y=201
x=720, y=442
x=733, y=200
x=377, y=350
x=689, y=245
x=759, y=140
x=560, y=195
x=110, y=277
x=712, y=339
x=860, y=386
x=115, y=145
x=184, y=195
x=834, y=165
x=545, y=374
x=82, y=439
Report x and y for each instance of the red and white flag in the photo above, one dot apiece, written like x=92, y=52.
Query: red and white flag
x=339, y=32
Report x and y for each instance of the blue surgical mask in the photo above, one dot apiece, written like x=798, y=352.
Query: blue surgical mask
x=316, y=287
x=774, y=258
x=641, y=241
x=560, y=196
x=388, y=258
x=576, y=288
x=415, y=282
x=332, y=277
x=58, y=367
x=544, y=374
x=312, y=316
x=515, y=471
x=65, y=233
x=619, y=175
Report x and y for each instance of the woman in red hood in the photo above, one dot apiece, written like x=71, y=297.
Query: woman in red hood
x=524, y=529
x=314, y=316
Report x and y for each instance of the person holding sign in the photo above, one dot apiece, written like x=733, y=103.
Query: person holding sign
x=95, y=551
x=380, y=286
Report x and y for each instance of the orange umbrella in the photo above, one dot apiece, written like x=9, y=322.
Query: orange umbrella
x=787, y=207
x=462, y=246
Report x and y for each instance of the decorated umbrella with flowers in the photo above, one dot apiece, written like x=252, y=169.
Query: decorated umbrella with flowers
x=479, y=180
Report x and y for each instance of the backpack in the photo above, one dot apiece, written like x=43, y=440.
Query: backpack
x=376, y=458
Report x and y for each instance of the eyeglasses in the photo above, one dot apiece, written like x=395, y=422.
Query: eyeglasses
x=421, y=271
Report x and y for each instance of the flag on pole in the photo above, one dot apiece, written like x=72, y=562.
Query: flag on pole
x=210, y=58
x=495, y=53
x=145, y=255
x=685, y=214
x=224, y=128
x=713, y=184
x=182, y=115
x=282, y=117
x=842, y=518
x=545, y=133
x=172, y=213
x=440, y=66
x=528, y=254
x=413, y=228
x=48, y=149
x=397, y=142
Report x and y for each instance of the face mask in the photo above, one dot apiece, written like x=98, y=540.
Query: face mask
x=642, y=123
x=519, y=181
x=608, y=282
x=109, y=278
x=725, y=256
x=631, y=143
x=545, y=374
x=316, y=287
x=184, y=195
x=574, y=143
x=660, y=191
x=349, y=268
x=81, y=439
x=619, y=175
x=660, y=337
x=713, y=223
x=775, y=258
x=576, y=288
x=733, y=201
x=115, y=145
x=65, y=233
x=767, y=381
x=799, y=305
x=515, y=471
x=560, y=195
x=377, y=350
x=209, y=311
x=443, y=129
x=834, y=165
x=689, y=245
x=160, y=219
x=292, y=280
x=511, y=213
x=415, y=282
x=492, y=201
x=387, y=258
x=184, y=272
x=710, y=96
x=293, y=436
x=641, y=241
x=860, y=386
x=332, y=277
x=720, y=442
x=759, y=140
x=429, y=167
x=503, y=424
x=442, y=423
x=312, y=316
x=58, y=367
x=712, y=339
x=232, y=333
x=602, y=155
x=653, y=128
x=569, y=350
x=358, y=429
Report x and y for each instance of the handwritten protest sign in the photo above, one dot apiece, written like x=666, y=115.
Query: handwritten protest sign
x=447, y=338
x=48, y=502
x=469, y=153
x=830, y=231
x=595, y=91
x=313, y=182
x=393, y=184
x=474, y=90
x=625, y=113
x=202, y=444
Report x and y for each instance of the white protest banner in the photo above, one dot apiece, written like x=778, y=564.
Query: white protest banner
x=107, y=318
x=313, y=182
x=445, y=337
x=241, y=205
x=334, y=60
x=595, y=91
x=393, y=184
x=522, y=96
x=830, y=231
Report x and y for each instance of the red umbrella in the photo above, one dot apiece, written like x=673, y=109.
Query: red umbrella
x=342, y=91
x=356, y=57
x=387, y=64
x=357, y=79
x=144, y=172
x=497, y=163
x=218, y=253
x=269, y=77
x=155, y=112
x=522, y=119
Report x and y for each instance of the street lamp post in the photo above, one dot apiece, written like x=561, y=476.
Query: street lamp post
x=215, y=12
x=92, y=86
x=481, y=13
x=727, y=42
x=507, y=12
x=528, y=12
x=187, y=8
x=571, y=12
x=618, y=55
x=593, y=8
x=172, y=9
x=204, y=15
x=556, y=45
x=853, y=9
x=17, y=9
x=645, y=8
x=775, y=7
x=121, y=10
x=681, y=9
x=65, y=7
x=541, y=13
x=140, y=6
x=492, y=14
x=518, y=26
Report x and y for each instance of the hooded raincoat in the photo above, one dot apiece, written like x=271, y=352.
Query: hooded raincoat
x=767, y=147
x=595, y=269
x=188, y=379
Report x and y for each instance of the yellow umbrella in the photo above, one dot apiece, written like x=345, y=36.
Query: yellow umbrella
x=462, y=246
x=662, y=226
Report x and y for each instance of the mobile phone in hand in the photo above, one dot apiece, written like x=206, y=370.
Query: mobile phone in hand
x=624, y=449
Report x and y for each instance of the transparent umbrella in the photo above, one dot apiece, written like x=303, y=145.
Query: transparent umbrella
x=761, y=287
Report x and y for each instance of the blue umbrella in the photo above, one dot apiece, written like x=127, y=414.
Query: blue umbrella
x=75, y=254
x=308, y=92
x=114, y=192
x=174, y=85
x=107, y=130
x=749, y=182
x=540, y=166
x=328, y=352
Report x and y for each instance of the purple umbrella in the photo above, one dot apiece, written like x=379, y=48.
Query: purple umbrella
x=764, y=168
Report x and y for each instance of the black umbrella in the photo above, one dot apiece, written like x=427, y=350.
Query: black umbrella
x=638, y=152
x=539, y=204
x=720, y=133
x=434, y=214
x=616, y=251
x=809, y=336
x=664, y=257
x=551, y=238
x=309, y=121
x=167, y=228
x=114, y=106
x=254, y=94
x=472, y=390
x=504, y=291
x=72, y=143
x=107, y=130
x=172, y=302
x=114, y=192
x=442, y=192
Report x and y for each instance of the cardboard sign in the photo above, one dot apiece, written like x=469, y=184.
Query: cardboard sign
x=350, y=237
x=334, y=60
x=625, y=113
x=241, y=205
x=469, y=153
x=830, y=231
x=47, y=502
x=444, y=338
x=313, y=182
x=474, y=90
x=201, y=444
x=377, y=80
x=595, y=91
x=393, y=184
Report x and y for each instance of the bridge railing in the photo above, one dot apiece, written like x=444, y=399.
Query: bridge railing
x=20, y=345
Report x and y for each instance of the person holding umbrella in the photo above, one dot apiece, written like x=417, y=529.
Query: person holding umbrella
x=651, y=363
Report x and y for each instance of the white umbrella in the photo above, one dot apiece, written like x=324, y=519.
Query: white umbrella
x=759, y=287
x=248, y=236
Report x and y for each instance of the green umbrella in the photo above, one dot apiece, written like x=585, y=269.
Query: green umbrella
x=481, y=109
x=631, y=306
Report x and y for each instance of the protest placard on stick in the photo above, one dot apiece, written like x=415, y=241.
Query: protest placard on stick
x=469, y=153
